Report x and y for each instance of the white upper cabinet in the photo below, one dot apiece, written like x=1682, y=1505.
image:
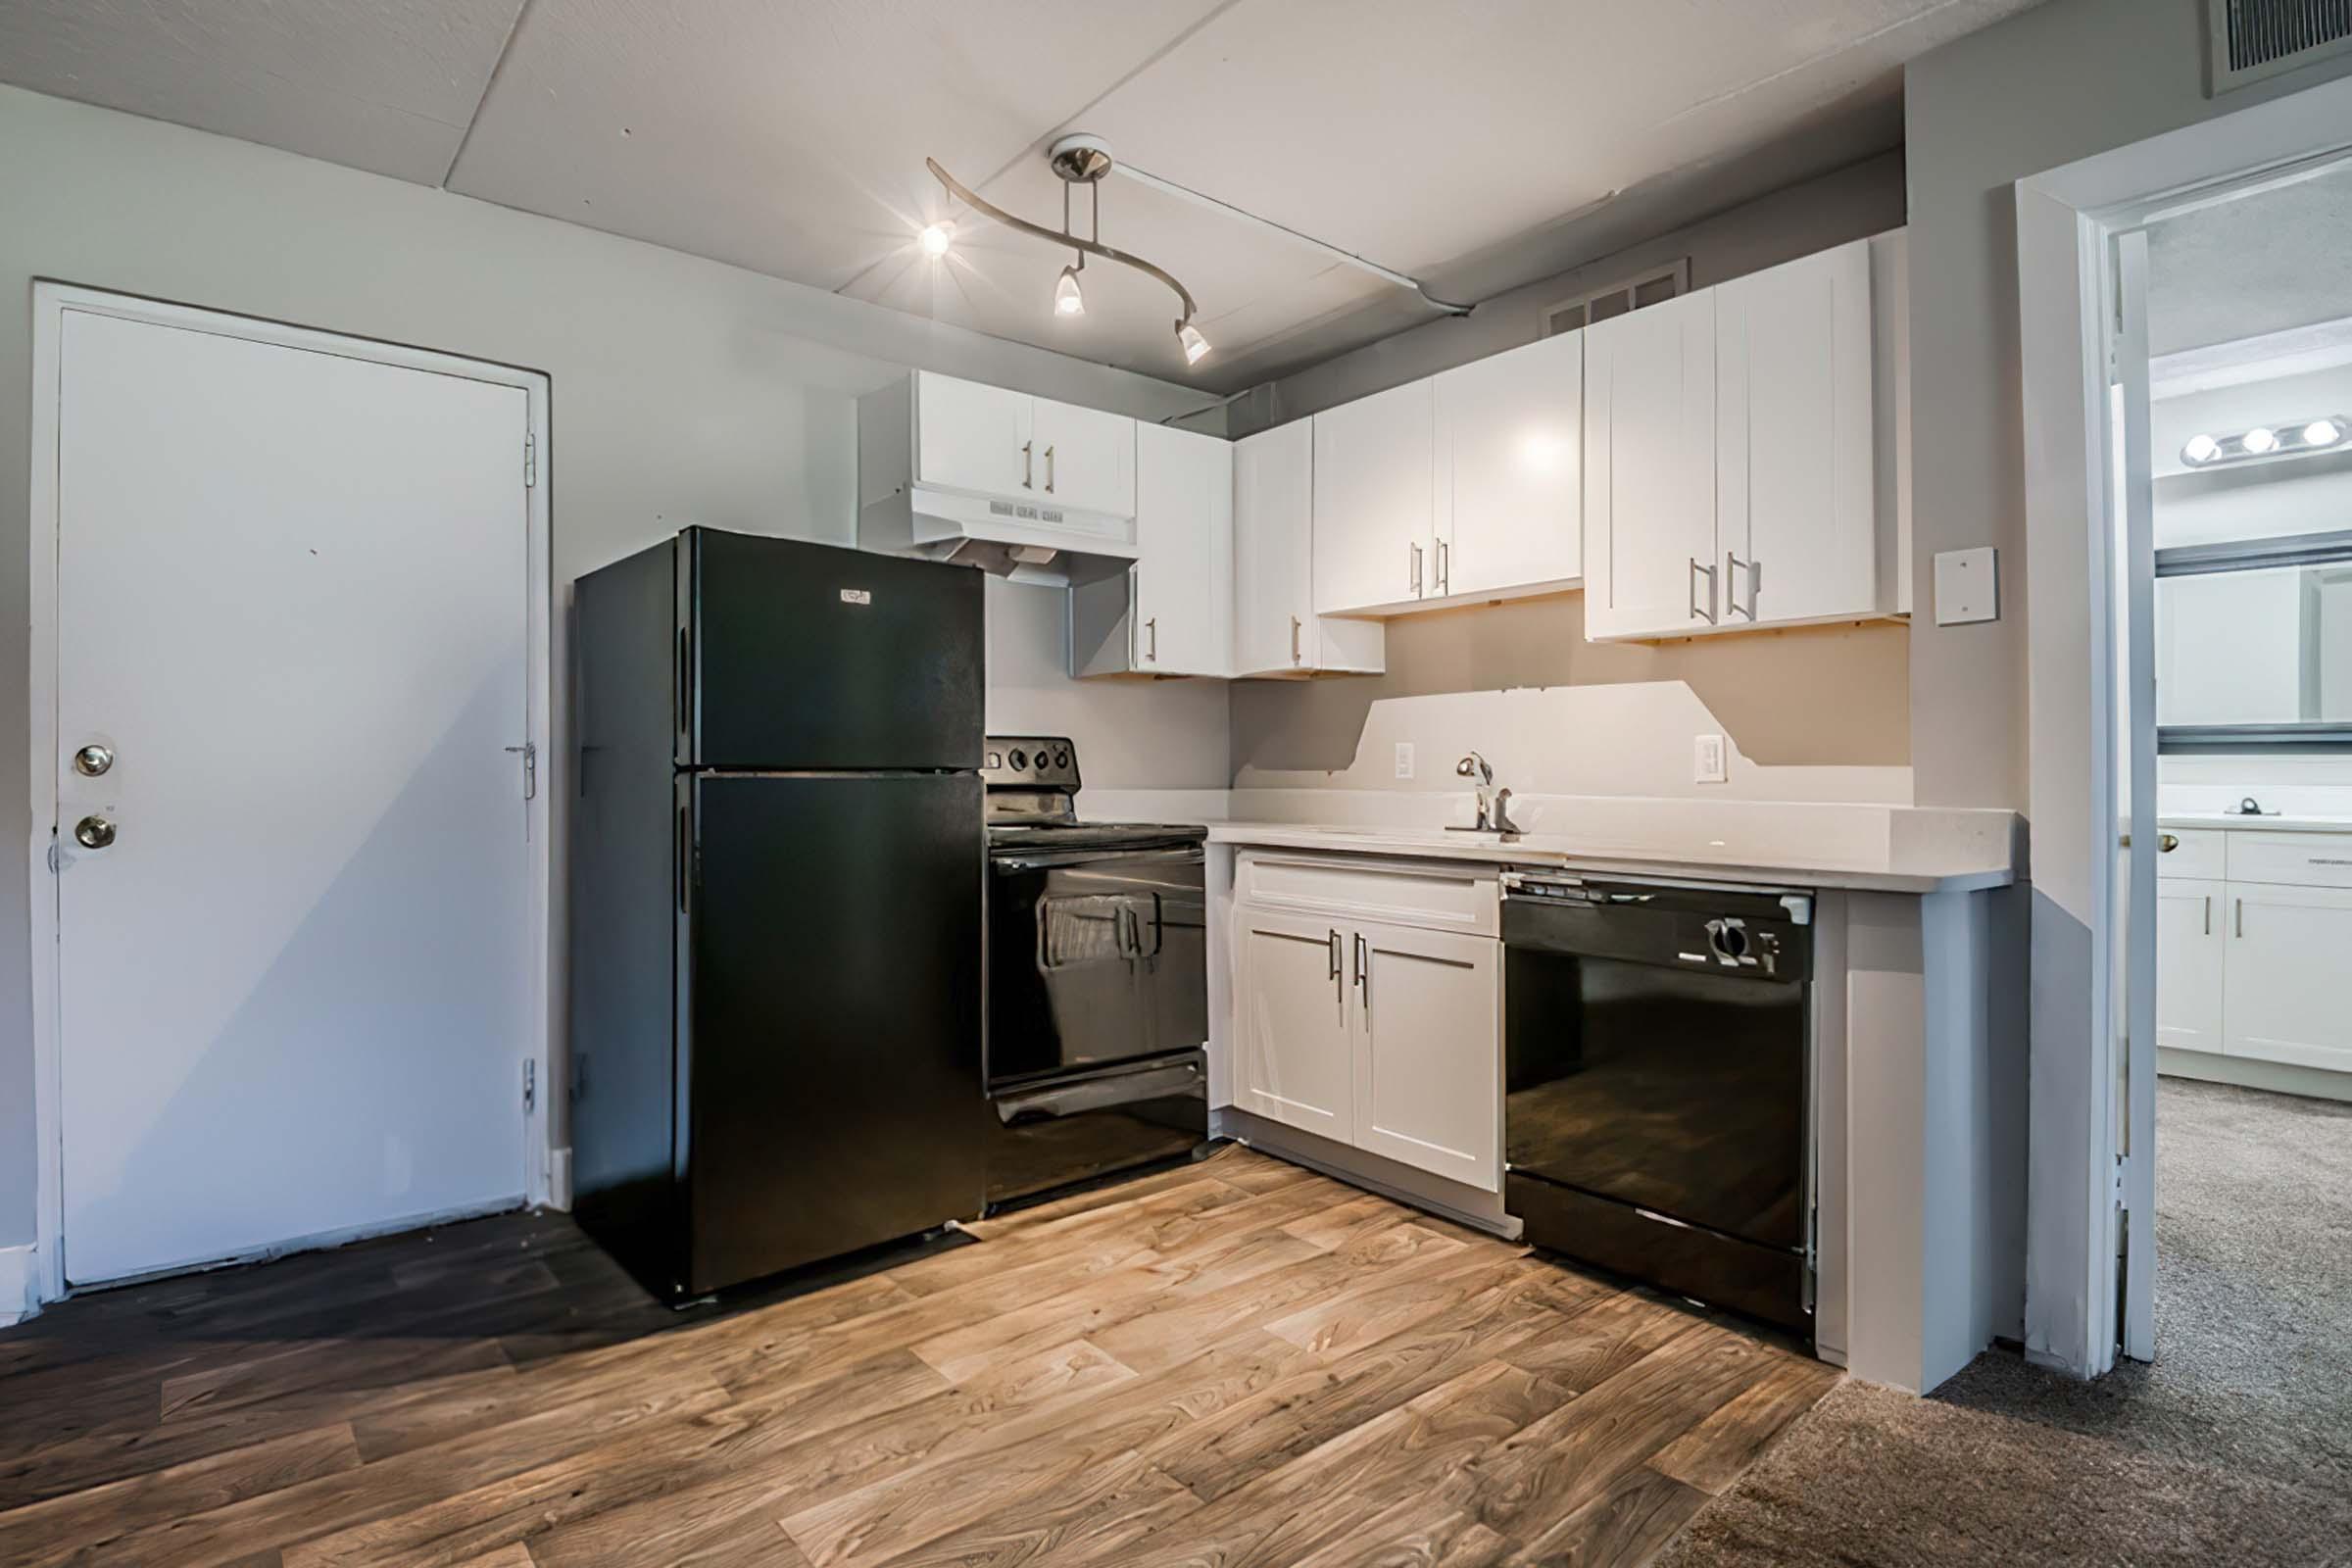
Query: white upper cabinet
x=970, y=437
x=1509, y=471
x=1651, y=566
x=1275, y=630
x=1796, y=510
x=1082, y=458
x=1374, y=508
x=1171, y=611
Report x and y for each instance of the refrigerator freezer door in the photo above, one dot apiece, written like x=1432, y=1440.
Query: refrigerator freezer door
x=831, y=1054
x=807, y=657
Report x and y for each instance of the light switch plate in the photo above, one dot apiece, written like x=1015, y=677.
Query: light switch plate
x=1404, y=759
x=1706, y=759
x=1967, y=586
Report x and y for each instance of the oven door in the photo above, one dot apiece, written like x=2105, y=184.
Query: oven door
x=1095, y=959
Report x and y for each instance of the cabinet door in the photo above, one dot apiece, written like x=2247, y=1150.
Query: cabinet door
x=1293, y=1046
x=2283, y=999
x=1184, y=538
x=1273, y=496
x=969, y=437
x=1084, y=458
x=1429, y=1050
x=1374, y=500
x=1797, y=506
x=1651, y=567
x=1510, y=469
x=2191, y=946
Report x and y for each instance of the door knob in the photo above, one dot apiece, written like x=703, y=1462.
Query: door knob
x=93, y=759
x=2166, y=842
x=93, y=832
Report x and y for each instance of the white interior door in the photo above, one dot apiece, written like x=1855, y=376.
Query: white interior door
x=2136, y=702
x=295, y=989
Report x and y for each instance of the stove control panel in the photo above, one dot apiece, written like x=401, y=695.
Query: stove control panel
x=1030, y=762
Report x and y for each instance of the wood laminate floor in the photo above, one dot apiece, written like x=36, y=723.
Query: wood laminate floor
x=1236, y=1362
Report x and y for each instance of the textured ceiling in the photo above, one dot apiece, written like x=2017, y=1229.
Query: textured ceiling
x=1478, y=142
x=2265, y=262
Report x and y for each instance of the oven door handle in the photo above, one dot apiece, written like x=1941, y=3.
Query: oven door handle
x=1056, y=859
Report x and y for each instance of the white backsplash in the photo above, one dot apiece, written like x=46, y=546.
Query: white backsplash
x=2294, y=786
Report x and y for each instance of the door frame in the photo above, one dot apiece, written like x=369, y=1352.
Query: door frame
x=2067, y=221
x=51, y=301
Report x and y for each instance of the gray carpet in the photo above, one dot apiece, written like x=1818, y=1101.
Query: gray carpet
x=2234, y=1446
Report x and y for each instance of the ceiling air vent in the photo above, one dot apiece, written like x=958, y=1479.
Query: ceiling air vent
x=2257, y=38
x=1626, y=294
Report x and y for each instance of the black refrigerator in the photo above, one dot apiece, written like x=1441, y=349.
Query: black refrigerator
x=775, y=905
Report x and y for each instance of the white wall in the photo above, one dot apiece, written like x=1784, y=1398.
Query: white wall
x=2059, y=82
x=683, y=391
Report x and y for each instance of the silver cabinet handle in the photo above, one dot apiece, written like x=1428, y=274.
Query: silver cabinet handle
x=2242, y=918
x=1733, y=564
x=1028, y=465
x=1333, y=950
x=1152, y=631
x=1295, y=655
x=1363, y=972
x=1445, y=567
x=1697, y=572
x=1412, y=568
x=1048, y=470
x=2209, y=914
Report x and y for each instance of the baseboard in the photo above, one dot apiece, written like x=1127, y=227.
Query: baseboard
x=1449, y=1200
x=17, y=1275
x=559, y=1179
x=2248, y=1072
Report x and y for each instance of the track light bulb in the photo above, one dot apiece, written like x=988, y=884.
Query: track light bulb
x=936, y=239
x=1068, y=300
x=1196, y=347
x=2201, y=449
x=2261, y=439
x=2323, y=434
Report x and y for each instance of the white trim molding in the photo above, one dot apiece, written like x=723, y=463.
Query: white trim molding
x=18, y=1298
x=51, y=301
x=2066, y=222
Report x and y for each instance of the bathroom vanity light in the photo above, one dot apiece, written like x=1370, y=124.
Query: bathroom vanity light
x=2295, y=438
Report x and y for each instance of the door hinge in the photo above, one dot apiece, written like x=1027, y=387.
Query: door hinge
x=531, y=1085
x=2123, y=1182
x=529, y=751
x=531, y=459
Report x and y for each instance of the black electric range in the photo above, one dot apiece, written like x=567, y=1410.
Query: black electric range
x=1098, y=1011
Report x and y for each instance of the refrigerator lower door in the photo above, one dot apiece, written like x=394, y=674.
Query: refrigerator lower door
x=831, y=1050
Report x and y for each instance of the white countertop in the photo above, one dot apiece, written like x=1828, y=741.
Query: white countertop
x=2254, y=824
x=1887, y=872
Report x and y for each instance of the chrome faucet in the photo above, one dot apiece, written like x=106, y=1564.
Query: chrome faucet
x=1494, y=805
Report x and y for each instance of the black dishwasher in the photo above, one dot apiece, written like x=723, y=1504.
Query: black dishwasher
x=1658, y=1084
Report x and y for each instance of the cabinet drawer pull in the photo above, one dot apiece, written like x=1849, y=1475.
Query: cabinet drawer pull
x=1697, y=572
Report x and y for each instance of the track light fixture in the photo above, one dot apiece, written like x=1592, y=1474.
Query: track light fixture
x=1080, y=161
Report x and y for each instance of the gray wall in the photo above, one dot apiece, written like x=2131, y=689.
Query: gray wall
x=1766, y=690
x=683, y=391
x=2050, y=85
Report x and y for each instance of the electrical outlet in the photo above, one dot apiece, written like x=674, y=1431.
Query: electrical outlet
x=1404, y=759
x=1706, y=760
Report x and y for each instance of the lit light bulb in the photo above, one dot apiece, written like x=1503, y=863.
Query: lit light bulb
x=2259, y=440
x=1067, y=301
x=1196, y=347
x=936, y=239
x=2323, y=434
x=2201, y=449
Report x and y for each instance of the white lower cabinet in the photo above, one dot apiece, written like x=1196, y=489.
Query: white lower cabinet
x=2191, y=948
x=2282, y=992
x=1429, y=1050
x=1384, y=1037
x=1295, y=1045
